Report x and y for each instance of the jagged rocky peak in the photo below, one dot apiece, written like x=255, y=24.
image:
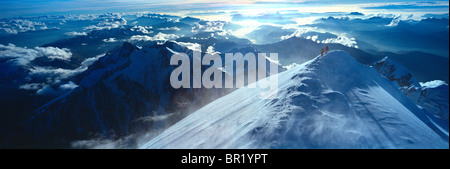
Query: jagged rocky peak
x=396, y=72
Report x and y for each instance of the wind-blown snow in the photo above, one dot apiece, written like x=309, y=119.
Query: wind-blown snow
x=329, y=102
x=433, y=84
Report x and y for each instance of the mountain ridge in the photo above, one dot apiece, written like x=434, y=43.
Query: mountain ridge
x=318, y=106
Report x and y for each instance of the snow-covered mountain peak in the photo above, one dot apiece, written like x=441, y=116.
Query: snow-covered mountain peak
x=329, y=102
x=396, y=72
x=132, y=61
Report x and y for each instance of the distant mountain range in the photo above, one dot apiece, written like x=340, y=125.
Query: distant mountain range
x=425, y=67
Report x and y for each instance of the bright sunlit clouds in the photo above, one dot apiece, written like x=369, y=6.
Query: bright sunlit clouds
x=30, y=7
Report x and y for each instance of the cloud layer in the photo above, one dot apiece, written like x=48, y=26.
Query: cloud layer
x=16, y=26
x=158, y=37
x=23, y=56
x=45, y=80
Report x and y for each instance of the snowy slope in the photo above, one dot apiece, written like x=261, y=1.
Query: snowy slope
x=432, y=96
x=328, y=102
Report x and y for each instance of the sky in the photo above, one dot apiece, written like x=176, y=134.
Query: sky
x=20, y=8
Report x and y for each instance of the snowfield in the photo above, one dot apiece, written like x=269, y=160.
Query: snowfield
x=329, y=102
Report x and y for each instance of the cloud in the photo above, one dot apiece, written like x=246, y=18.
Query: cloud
x=76, y=33
x=210, y=50
x=44, y=80
x=9, y=30
x=297, y=33
x=15, y=26
x=112, y=21
x=305, y=20
x=54, y=53
x=141, y=38
x=55, y=77
x=47, y=90
x=57, y=74
x=350, y=42
x=131, y=141
x=18, y=55
x=55, y=89
x=110, y=40
x=208, y=26
x=165, y=37
x=344, y=23
x=32, y=86
x=89, y=61
x=23, y=56
x=313, y=38
x=81, y=17
x=274, y=18
x=100, y=143
x=54, y=74
x=393, y=23
x=290, y=66
x=409, y=5
x=142, y=29
x=433, y=84
x=69, y=86
x=191, y=46
x=393, y=33
x=158, y=37
x=169, y=29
